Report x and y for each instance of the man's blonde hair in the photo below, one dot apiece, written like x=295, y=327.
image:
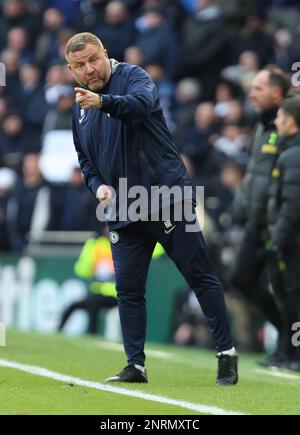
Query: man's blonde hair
x=79, y=41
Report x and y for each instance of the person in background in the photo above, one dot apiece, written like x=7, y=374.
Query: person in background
x=166, y=92
x=7, y=182
x=77, y=209
x=60, y=116
x=94, y=264
x=29, y=207
x=47, y=45
x=32, y=101
x=248, y=274
x=284, y=224
x=15, y=142
x=134, y=56
x=118, y=31
x=157, y=39
x=205, y=46
x=188, y=94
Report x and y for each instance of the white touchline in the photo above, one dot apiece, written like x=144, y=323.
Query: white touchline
x=40, y=371
x=277, y=374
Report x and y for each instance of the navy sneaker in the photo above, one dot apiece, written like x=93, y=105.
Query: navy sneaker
x=227, y=369
x=131, y=373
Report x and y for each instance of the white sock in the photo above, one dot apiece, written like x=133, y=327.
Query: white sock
x=230, y=352
x=140, y=368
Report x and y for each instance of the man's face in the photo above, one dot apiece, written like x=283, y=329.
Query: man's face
x=282, y=123
x=90, y=67
x=202, y=4
x=263, y=95
x=31, y=166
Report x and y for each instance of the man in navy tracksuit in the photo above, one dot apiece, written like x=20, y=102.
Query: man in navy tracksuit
x=120, y=133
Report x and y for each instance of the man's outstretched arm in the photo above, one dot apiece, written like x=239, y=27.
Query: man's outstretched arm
x=136, y=106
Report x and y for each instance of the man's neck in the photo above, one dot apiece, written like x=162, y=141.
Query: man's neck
x=33, y=181
x=268, y=115
x=293, y=132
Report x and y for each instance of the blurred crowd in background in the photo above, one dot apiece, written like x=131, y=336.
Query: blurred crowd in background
x=202, y=55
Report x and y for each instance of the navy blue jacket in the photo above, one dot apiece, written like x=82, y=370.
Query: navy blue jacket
x=128, y=137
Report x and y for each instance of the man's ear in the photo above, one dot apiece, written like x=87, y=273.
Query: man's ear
x=277, y=92
x=69, y=66
x=291, y=121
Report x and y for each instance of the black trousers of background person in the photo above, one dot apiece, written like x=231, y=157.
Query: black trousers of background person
x=286, y=286
x=93, y=304
x=249, y=276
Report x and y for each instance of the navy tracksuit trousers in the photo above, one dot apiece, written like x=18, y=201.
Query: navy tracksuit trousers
x=132, y=248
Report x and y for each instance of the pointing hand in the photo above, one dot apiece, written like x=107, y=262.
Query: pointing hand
x=87, y=99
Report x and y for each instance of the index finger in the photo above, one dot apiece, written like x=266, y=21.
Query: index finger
x=80, y=90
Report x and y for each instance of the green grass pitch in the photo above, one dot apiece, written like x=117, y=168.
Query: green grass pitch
x=182, y=374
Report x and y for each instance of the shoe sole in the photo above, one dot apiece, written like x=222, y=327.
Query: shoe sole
x=227, y=383
x=116, y=379
x=126, y=382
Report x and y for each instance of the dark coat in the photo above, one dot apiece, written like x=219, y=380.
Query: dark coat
x=284, y=195
x=204, y=50
x=127, y=138
x=255, y=186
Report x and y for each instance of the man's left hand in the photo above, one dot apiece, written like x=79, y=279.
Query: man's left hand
x=87, y=99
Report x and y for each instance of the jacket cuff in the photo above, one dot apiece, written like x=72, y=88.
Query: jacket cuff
x=95, y=183
x=106, y=103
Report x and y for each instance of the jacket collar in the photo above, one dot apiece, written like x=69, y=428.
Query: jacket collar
x=291, y=141
x=114, y=65
x=267, y=117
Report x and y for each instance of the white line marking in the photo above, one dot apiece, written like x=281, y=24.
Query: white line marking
x=277, y=374
x=119, y=348
x=40, y=371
